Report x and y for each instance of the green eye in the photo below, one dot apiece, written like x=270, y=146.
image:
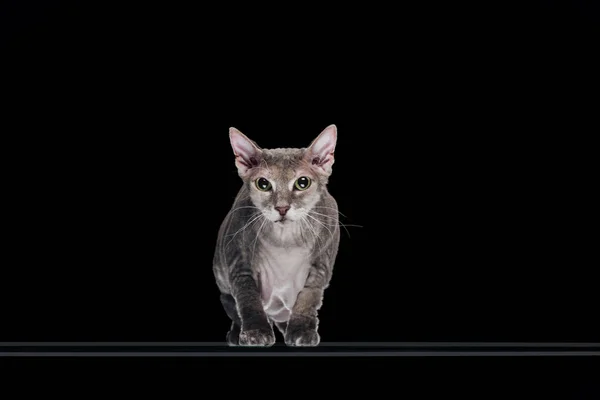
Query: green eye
x=302, y=183
x=263, y=184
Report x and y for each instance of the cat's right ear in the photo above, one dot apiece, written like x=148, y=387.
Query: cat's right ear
x=320, y=152
x=247, y=153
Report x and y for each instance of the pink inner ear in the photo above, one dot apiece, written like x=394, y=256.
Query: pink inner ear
x=323, y=146
x=243, y=148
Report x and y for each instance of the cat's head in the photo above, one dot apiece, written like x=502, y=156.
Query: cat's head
x=285, y=183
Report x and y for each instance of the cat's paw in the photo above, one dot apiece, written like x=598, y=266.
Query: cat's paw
x=257, y=337
x=233, y=337
x=302, y=337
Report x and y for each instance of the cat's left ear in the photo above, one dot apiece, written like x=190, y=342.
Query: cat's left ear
x=320, y=152
x=247, y=152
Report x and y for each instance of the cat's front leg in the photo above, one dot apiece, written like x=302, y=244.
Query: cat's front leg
x=303, y=324
x=256, y=330
x=302, y=328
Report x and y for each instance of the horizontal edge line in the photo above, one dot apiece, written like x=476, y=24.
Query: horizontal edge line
x=323, y=344
x=302, y=354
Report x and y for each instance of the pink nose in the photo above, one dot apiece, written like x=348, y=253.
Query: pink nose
x=282, y=210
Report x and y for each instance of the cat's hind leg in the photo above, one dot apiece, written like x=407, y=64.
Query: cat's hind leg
x=233, y=336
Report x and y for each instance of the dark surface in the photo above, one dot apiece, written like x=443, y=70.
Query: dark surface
x=462, y=153
x=326, y=349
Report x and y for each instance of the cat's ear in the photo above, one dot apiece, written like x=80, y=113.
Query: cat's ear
x=247, y=153
x=320, y=152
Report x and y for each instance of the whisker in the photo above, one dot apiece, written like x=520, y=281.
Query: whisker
x=327, y=215
x=338, y=223
x=254, y=218
x=322, y=224
x=335, y=219
x=239, y=208
x=258, y=235
x=312, y=231
x=311, y=228
x=334, y=209
x=242, y=228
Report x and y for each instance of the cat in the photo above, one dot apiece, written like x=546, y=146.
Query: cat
x=276, y=247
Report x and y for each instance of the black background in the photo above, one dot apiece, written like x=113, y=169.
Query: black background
x=462, y=154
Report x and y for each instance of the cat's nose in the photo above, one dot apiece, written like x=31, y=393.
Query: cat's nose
x=282, y=210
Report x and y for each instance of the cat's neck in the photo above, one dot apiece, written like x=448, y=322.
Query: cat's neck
x=287, y=234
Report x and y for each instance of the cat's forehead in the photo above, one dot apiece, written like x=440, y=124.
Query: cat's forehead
x=283, y=158
x=283, y=154
x=283, y=163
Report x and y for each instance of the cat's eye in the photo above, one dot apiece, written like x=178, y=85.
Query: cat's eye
x=302, y=183
x=263, y=184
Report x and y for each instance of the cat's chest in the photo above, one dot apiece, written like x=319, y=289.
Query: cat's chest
x=283, y=272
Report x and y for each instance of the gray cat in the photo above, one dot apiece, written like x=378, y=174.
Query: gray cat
x=276, y=247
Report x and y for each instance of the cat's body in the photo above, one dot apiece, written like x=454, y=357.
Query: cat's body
x=277, y=246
